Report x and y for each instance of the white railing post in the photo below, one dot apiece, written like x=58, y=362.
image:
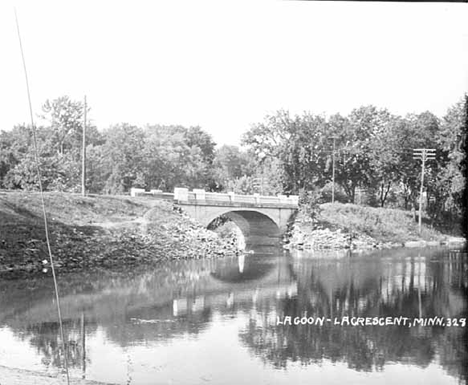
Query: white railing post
x=181, y=194
x=257, y=198
x=135, y=191
x=294, y=199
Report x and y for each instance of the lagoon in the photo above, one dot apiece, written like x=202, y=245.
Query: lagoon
x=216, y=321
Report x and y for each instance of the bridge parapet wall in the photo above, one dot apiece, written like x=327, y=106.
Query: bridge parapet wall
x=158, y=194
x=199, y=196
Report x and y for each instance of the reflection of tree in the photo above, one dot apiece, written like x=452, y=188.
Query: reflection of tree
x=45, y=337
x=156, y=324
x=110, y=301
x=454, y=342
x=138, y=308
x=362, y=348
x=453, y=350
x=370, y=288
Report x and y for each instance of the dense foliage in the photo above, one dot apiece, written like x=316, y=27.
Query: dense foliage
x=373, y=151
x=371, y=148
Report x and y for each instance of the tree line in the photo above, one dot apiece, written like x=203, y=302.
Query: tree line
x=369, y=152
x=119, y=157
x=373, y=152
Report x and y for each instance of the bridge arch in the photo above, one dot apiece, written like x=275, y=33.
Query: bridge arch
x=257, y=227
x=262, y=219
x=260, y=226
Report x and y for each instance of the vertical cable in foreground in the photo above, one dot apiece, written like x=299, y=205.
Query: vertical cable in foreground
x=39, y=177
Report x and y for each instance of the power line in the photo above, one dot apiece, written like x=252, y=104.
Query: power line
x=39, y=176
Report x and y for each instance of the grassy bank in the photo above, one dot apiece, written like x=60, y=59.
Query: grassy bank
x=340, y=225
x=108, y=232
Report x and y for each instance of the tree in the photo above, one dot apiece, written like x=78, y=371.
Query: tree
x=270, y=136
x=14, y=145
x=196, y=137
x=297, y=145
x=446, y=179
x=385, y=157
x=58, y=172
x=452, y=140
x=364, y=129
x=229, y=164
x=65, y=118
x=170, y=161
x=420, y=131
x=59, y=146
x=96, y=172
x=123, y=157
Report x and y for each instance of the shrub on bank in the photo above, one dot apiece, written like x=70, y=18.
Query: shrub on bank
x=387, y=225
x=338, y=225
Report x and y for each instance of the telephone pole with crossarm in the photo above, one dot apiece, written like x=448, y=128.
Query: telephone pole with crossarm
x=422, y=154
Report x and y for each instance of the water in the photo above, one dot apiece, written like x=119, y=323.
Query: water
x=216, y=321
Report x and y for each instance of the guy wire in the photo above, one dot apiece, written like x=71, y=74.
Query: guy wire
x=39, y=176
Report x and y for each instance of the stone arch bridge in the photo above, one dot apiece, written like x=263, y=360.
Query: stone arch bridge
x=262, y=219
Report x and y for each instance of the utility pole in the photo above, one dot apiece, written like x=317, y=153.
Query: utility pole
x=423, y=154
x=333, y=169
x=262, y=157
x=83, y=346
x=83, y=158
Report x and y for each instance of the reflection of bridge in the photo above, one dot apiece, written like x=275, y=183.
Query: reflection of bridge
x=184, y=288
x=243, y=285
x=277, y=283
x=262, y=219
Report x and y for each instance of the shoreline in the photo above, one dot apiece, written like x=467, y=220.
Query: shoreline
x=111, y=233
x=19, y=376
x=116, y=233
x=338, y=226
x=450, y=242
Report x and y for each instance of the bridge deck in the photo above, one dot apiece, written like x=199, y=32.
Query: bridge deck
x=235, y=204
x=200, y=197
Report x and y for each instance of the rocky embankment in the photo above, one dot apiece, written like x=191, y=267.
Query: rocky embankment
x=320, y=239
x=340, y=226
x=98, y=232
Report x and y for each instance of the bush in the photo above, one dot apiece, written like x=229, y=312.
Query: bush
x=380, y=223
x=309, y=203
x=326, y=194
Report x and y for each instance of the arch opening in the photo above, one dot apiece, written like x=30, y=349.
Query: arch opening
x=226, y=228
x=257, y=229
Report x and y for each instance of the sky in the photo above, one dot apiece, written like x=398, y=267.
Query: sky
x=225, y=65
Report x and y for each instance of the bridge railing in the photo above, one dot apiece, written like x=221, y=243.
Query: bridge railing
x=191, y=196
x=243, y=198
x=201, y=196
x=217, y=197
x=158, y=194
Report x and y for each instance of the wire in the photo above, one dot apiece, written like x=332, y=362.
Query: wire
x=39, y=176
